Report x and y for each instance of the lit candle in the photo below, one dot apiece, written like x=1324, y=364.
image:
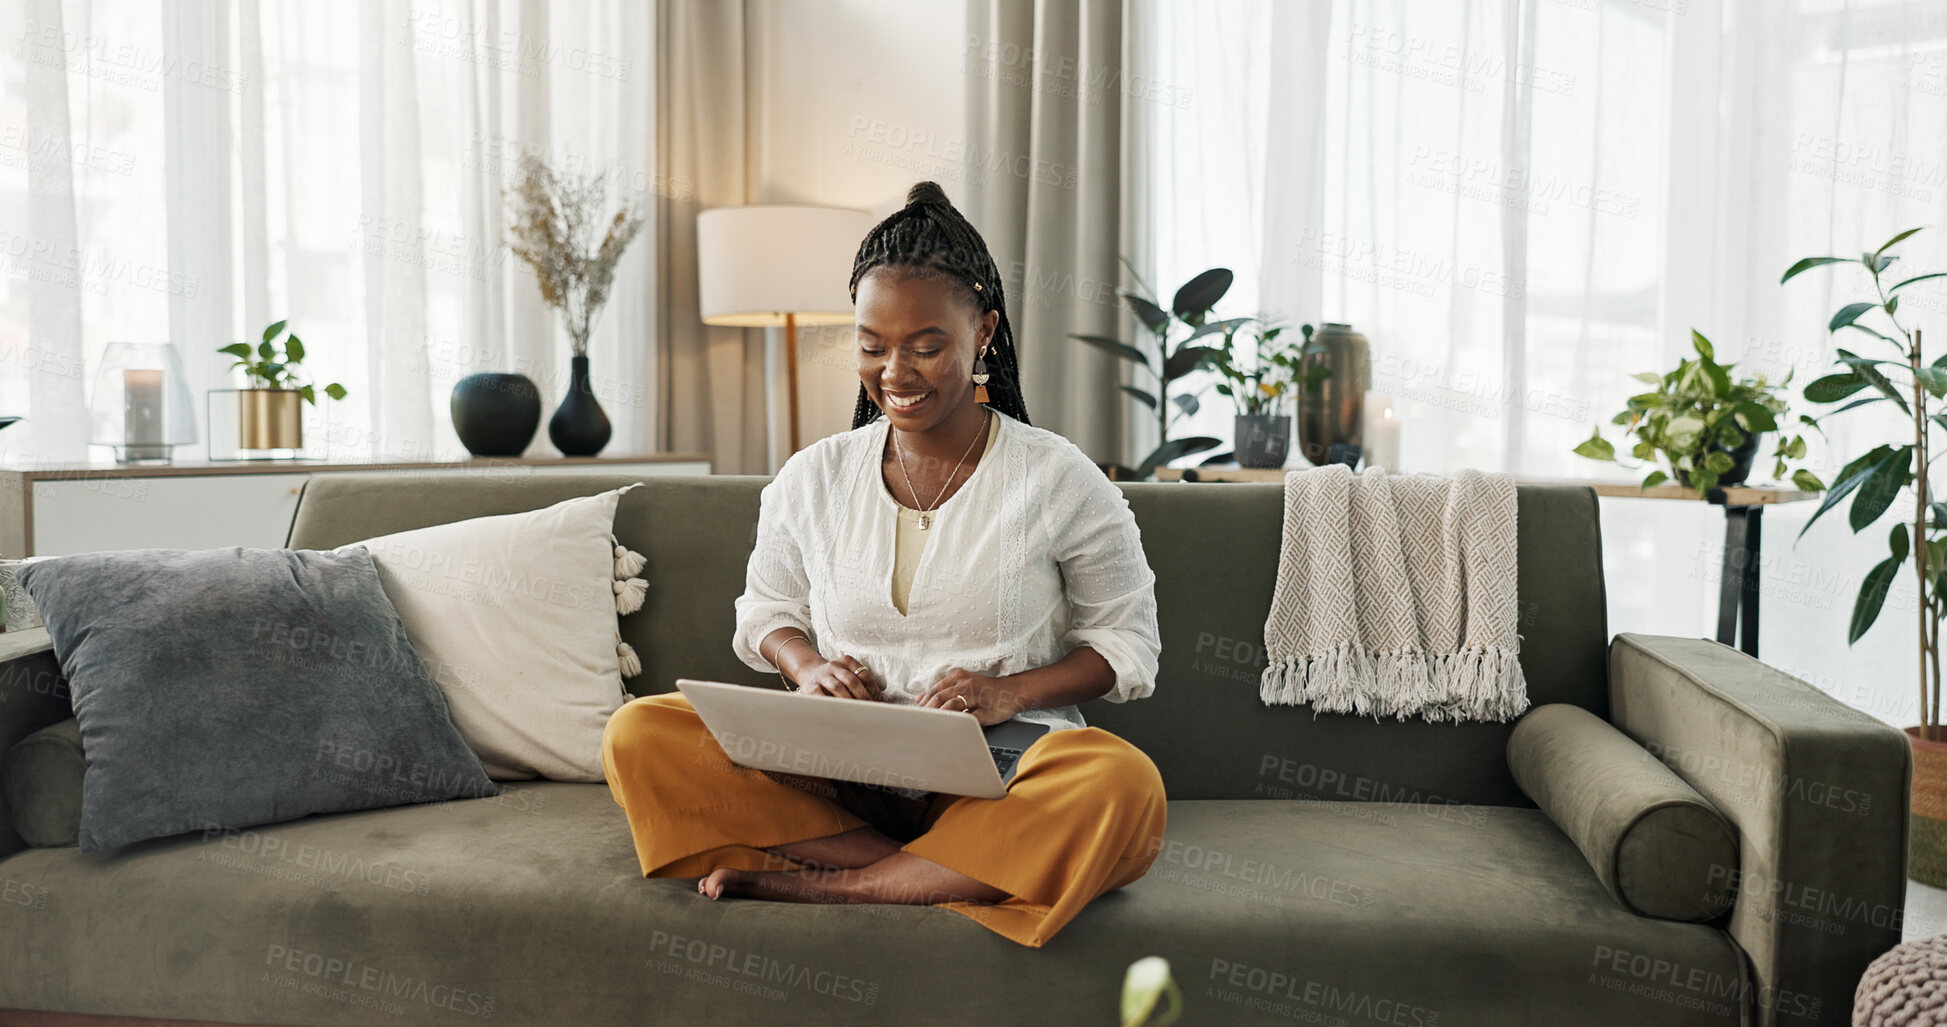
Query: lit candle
x=142, y=412
x=1382, y=432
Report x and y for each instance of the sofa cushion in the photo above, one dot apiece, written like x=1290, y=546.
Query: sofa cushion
x=530, y=906
x=42, y=776
x=1659, y=847
x=242, y=686
x=515, y=615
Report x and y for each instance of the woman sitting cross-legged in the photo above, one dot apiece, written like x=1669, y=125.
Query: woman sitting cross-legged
x=944, y=553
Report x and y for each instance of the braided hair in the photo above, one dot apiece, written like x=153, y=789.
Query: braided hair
x=928, y=237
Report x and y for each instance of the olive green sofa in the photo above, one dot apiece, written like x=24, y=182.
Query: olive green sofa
x=1318, y=869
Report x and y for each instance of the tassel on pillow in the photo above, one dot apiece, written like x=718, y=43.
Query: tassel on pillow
x=628, y=563
x=631, y=663
x=630, y=594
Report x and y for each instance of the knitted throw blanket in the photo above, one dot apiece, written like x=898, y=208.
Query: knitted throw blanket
x=1396, y=596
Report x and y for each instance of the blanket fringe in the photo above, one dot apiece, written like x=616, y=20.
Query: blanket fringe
x=1480, y=683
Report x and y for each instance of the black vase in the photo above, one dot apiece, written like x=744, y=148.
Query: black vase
x=496, y=414
x=579, y=428
x=1743, y=455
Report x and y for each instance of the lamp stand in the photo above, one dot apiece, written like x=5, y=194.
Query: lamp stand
x=791, y=373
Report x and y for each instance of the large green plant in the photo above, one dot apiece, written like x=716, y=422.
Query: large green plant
x=1167, y=360
x=1887, y=471
x=1695, y=417
x=269, y=366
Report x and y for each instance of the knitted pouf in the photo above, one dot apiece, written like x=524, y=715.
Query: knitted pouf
x=1906, y=987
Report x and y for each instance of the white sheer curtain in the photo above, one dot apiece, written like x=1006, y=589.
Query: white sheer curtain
x=1522, y=202
x=191, y=171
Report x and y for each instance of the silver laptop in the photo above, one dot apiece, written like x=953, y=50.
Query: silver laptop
x=875, y=743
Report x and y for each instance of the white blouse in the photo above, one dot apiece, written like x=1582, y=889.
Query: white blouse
x=1037, y=554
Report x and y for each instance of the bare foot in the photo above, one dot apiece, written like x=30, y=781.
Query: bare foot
x=720, y=882
x=903, y=879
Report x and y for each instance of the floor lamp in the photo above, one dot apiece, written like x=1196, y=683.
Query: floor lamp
x=778, y=265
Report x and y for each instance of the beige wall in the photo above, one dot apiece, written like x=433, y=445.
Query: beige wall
x=854, y=101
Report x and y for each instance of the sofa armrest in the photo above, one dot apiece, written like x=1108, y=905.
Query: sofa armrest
x=33, y=694
x=1817, y=792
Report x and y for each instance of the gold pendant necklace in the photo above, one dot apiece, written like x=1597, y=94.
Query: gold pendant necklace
x=926, y=515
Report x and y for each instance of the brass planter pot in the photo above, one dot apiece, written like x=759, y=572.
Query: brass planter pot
x=1927, y=827
x=269, y=419
x=1332, y=414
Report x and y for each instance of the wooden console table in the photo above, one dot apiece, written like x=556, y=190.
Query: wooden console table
x=1744, y=505
x=58, y=509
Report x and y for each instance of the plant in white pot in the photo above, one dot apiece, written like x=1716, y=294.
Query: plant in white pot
x=268, y=415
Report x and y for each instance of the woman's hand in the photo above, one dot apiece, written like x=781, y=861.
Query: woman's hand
x=990, y=700
x=844, y=677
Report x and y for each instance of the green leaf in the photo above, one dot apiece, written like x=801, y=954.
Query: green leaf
x=1596, y=448
x=1187, y=402
x=1174, y=449
x=1849, y=478
x=1934, y=379
x=1720, y=379
x=1834, y=387
x=1892, y=305
x=308, y=395
x=1644, y=451
x=1872, y=595
x=1916, y=278
x=1702, y=345
x=1895, y=239
x=1201, y=293
x=1896, y=540
x=1648, y=378
x=1755, y=417
x=1219, y=327
x=1878, y=262
x=1848, y=314
x=1879, y=381
x=240, y=350
x=1717, y=461
x=1151, y=315
x=1877, y=491
x=272, y=332
x=1807, y=481
x=265, y=350
x=1147, y=399
x=1655, y=478
x=293, y=349
x=1186, y=359
x=1685, y=426
x=1119, y=348
x=1809, y=263
x=335, y=391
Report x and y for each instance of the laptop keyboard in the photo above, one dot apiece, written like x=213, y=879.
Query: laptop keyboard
x=1004, y=759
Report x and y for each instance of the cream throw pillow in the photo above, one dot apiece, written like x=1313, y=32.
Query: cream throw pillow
x=516, y=618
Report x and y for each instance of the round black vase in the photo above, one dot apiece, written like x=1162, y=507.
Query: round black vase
x=579, y=428
x=496, y=414
x=1743, y=456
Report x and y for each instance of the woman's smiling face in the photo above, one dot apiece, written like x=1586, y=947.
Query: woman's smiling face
x=917, y=336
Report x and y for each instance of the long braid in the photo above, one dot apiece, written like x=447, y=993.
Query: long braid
x=929, y=236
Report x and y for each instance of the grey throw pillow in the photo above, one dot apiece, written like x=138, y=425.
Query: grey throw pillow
x=230, y=687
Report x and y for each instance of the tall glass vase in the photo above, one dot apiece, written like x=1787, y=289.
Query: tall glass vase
x=579, y=427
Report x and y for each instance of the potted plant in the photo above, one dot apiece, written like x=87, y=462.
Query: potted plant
x=558, y=229
x=1168, y=361
x=1872, y=481
x=1259, y=382
x=1703, y=425
x=267, y=409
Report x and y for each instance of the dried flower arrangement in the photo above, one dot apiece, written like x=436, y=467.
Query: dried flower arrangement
x=554, y=221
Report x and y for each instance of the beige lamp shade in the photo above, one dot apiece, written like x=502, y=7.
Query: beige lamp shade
x=757, y=264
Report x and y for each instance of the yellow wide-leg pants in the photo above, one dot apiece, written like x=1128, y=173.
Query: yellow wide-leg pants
x=1083, y=815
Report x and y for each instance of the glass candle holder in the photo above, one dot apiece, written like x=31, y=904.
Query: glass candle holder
x=141, y=406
